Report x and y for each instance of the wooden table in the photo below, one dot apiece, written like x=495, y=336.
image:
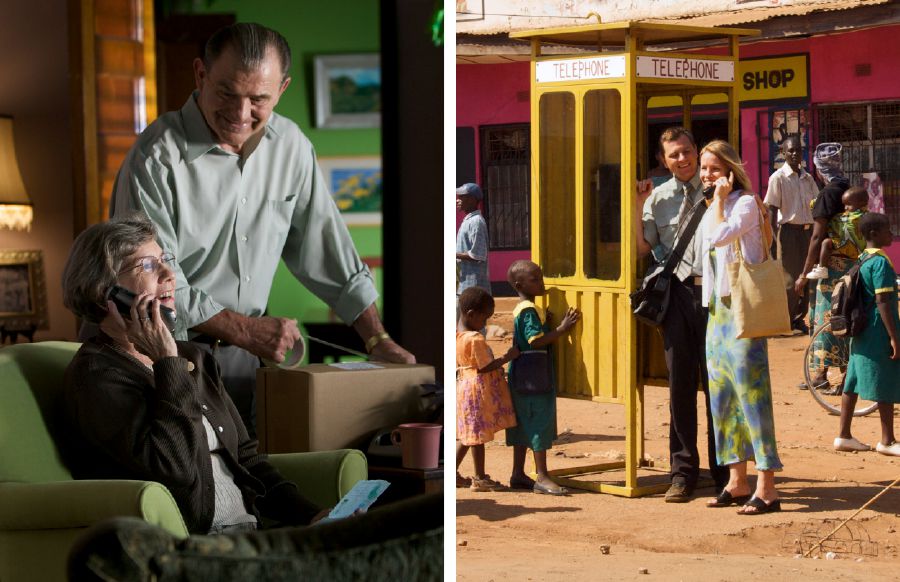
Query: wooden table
x=407, y=482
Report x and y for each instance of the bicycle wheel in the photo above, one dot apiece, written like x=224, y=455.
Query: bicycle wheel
x=825, y=364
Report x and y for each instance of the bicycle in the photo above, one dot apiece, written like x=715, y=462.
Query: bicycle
x=827, y=389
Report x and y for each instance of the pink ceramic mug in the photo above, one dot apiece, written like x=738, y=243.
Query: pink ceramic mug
x=419, y=443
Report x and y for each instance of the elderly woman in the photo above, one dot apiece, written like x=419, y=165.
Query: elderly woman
x=740, y=392
x=143, y=406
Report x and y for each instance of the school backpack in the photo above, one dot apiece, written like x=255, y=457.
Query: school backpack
x=848, y=319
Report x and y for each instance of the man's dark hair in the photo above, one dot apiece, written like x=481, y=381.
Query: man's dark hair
x=250, y=41
x=871, y=222
x=475, y=299
x=675, y=133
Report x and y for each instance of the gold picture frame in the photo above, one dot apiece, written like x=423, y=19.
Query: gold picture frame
x=23, y=290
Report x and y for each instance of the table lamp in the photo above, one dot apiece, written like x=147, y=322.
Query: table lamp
x=15, y=206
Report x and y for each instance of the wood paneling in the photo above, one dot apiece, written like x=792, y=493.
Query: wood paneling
x=114, y=94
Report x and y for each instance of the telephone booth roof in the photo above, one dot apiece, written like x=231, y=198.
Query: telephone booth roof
x=614, y=34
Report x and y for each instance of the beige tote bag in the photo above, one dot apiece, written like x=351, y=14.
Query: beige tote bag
x=758, y=296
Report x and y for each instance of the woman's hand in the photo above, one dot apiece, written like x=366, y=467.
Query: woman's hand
x=321, y=515
x=512, y=353
x=724, y=186
x=895, y=349
x=149, y=335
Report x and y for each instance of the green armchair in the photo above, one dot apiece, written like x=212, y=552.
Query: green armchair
x=43, y=510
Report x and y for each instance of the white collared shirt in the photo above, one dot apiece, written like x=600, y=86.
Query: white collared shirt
x=792, y=192
x=741, y=223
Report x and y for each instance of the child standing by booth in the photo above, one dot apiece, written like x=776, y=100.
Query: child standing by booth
x=874, y=369
x=483, y=405
x=532, y=382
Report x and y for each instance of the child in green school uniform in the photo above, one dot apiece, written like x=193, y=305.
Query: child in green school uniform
x=535, y=413
x=873, y=372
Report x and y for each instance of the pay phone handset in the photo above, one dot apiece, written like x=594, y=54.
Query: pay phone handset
x=123, y=298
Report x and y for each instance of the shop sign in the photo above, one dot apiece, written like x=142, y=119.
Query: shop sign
x=685, y=69
x=580, y=69
x=769, y=79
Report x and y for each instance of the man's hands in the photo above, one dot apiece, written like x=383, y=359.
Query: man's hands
x=149, y=336
x=390, y=351
x=271, y=338
x=266, y=337
x=368, y=325
x=644, y=189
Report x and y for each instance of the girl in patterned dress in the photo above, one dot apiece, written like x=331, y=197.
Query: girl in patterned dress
x=483, y=405
x=740, y=392
x=874, y=368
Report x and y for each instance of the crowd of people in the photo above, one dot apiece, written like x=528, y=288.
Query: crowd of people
x=818, y=234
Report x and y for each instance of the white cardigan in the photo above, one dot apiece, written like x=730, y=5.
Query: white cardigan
x=741, y=221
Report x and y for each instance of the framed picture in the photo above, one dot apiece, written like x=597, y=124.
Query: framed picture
x=23, y=290
x=355, y=184
x=348, y=91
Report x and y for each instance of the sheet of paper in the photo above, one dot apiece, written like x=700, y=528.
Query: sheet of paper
x=363, y=494
x=356, y=366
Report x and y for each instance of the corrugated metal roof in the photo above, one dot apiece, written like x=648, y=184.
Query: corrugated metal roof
x=751, y=15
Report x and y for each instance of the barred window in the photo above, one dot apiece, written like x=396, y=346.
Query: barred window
x=870, y=136
x=506, y=177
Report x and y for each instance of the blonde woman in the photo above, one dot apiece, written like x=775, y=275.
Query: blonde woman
x=739, y=388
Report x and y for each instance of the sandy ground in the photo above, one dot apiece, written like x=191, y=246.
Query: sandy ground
x=517, y=535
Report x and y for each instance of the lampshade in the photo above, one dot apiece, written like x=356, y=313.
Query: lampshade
x=15, y=206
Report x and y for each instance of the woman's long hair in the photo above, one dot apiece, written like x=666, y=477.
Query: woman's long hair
x=729, y=156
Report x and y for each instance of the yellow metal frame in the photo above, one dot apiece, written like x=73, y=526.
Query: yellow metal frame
x=609, y=357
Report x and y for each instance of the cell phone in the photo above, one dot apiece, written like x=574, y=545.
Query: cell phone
x=124, y=299
x=708, y=192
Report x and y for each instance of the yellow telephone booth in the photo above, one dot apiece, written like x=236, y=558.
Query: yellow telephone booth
x=593, y=103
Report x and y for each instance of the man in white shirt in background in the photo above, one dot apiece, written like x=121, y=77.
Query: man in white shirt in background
x=789, y=199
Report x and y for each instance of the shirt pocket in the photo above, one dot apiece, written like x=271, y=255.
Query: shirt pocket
x=277, y=220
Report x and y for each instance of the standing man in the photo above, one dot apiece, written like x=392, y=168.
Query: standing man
x=232, y=188
x=788, y=198
x=684, y=326
x=471, y=241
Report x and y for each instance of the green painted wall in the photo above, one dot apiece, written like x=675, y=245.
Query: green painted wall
x=315, y=27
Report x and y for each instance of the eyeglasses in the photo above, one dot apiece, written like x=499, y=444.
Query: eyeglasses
x=151, y=264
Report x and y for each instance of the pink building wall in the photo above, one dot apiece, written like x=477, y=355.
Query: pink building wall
x=493, y=94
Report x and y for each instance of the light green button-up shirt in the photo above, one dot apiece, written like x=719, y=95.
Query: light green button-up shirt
x=660, y=221
x=229, y=219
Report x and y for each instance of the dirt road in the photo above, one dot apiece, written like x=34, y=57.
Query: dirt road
x=515, y=535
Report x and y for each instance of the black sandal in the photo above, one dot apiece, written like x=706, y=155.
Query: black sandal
x=726, y=499
x=760, y=506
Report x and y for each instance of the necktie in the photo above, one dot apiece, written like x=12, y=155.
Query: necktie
x=685, y=203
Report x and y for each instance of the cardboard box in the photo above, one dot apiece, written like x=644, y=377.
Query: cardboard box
x=322, y=407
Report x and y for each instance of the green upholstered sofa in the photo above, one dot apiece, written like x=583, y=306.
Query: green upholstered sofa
x=43, y=510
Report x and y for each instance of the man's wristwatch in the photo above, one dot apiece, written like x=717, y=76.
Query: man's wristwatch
x=375, y=340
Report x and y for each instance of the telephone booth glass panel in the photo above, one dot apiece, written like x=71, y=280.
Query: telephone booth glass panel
x=602, y=184
x=557, y=184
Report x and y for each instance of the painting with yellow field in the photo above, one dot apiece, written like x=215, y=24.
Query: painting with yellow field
x=355, y=184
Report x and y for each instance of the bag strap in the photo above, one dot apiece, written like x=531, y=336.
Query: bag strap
x=762, y=234
x=684, y=236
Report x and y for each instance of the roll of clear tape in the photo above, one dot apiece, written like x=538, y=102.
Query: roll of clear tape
x=292, y=358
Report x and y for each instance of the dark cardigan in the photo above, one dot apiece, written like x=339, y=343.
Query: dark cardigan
x=127, y=422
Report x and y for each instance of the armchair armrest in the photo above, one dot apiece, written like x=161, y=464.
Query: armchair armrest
x=323, y=477
x=81, y=503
